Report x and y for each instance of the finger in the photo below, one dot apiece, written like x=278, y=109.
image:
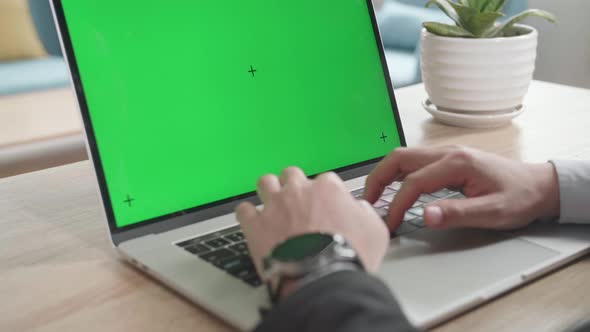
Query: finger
x=398, y=162
x=266, y=186
x=365, y=205
x=441, y=174
x=368, y=207
x=488, y=212
x=246, y=213
x=292, y=175
x=334, y=179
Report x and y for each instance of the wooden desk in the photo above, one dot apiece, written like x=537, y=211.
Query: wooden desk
x=58, y=271
x=38, y=130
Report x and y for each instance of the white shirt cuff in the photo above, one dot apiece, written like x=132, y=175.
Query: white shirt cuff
x=574, y=190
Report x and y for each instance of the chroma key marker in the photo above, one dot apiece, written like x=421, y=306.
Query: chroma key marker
x=252, y=70
x=129, y=200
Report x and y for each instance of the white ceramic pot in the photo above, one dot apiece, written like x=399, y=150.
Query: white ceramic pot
x=472, y=75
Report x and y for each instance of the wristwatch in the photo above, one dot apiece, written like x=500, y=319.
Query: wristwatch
x=305, y=258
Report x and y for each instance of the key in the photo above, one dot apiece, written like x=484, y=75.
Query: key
x=405, y=228
x=442, y=193
x=244, y=273
x=253, y=281
x=395, y=186
x=358, y=193
x=387, y=191
x=409, y=216
x=388, y=198
x=214, y=256
x=456, y=196
x=216, y=243
x=381, y=212
x=419, y=211
x=236, y=263
x=188, y=243
x=380, y=203
x=418, y=222
x=241, y=247
x=235, y=237
x=197, y=249
x=425, y=198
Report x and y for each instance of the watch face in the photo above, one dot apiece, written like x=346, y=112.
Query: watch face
x=301, y=247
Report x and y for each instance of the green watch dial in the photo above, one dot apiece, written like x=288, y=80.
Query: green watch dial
x=301, y=247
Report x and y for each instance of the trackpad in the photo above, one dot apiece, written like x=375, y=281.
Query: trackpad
x=429, y=270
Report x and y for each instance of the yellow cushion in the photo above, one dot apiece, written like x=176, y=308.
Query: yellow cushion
x=18, y=37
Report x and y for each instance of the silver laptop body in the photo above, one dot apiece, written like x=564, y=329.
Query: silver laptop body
x=435, y=275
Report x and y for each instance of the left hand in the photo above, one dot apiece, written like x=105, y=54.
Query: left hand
x=501, y=193
x=295, y=205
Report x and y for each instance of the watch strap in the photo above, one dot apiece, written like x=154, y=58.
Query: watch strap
x=334, y=267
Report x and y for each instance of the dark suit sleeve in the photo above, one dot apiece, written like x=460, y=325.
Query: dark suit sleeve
x=345, y=301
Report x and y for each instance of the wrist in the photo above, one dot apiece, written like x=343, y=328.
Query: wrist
x=548, y=204
x=302, y=259
x=290, y=286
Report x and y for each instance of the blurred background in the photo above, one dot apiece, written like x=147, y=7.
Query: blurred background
x=564, y=49
x=39, y=121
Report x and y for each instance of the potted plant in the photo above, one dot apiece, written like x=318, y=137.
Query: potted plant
x=477, y=71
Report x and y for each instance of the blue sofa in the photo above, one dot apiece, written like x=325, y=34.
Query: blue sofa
x=37, y=74
x=400, y=22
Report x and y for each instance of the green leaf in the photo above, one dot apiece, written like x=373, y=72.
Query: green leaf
x=482, y=22
x=484, y=6
x=446, y=30
x=478, y=5
x=475, y=22
x=494, y=5
x=498, y=31
x=447, y=8
x=465, y=13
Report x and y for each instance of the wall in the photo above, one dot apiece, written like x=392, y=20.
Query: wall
x=564, y=49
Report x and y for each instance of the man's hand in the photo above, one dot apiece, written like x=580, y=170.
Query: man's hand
x=501, y=193
x=294, y=205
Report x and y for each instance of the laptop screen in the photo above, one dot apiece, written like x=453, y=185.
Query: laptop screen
x=191, y=101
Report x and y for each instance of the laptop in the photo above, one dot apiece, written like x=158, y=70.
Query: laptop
x=186, y=103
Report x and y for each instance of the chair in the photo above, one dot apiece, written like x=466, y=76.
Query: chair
x=400, y=22
x=36, y=74
x=43, y=129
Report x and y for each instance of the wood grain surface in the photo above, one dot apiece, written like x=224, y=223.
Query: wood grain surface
x=58, y=271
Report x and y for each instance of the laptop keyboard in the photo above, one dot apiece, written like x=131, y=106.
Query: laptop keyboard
x=227, y=249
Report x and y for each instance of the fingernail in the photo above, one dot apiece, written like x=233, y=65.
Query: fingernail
x=433, y=215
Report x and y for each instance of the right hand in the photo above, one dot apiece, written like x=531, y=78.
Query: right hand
x=295, y=205
x=501, y=193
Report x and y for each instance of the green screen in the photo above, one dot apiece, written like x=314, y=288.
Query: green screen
x=192, y=101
